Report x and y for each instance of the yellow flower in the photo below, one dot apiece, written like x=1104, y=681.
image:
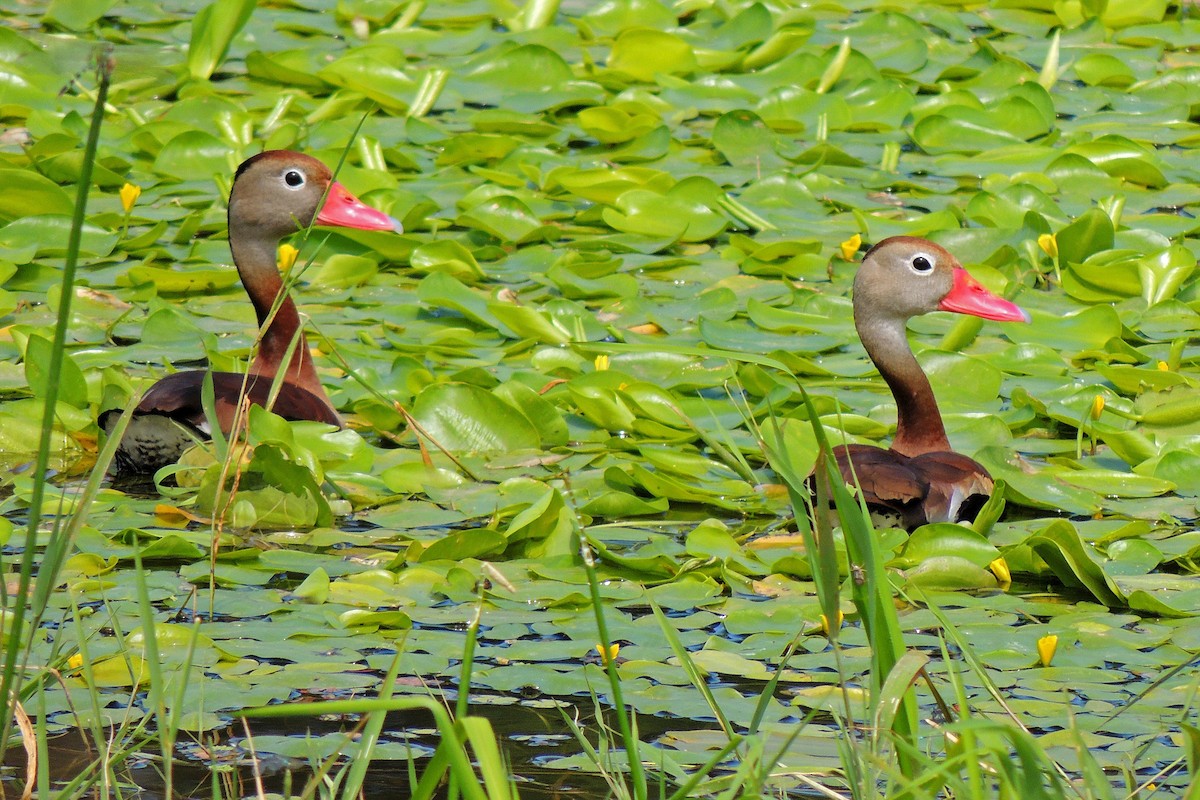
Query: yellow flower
x=608, y=654
x=825, y=626
x=1049, y=244
x=850, y=246
x=75, y=661
x=1046, y=647
x=1097, y=406
x=287, y=258
x=601, y=363
x=129, y=194
x=999, y=568
x=1163, y=366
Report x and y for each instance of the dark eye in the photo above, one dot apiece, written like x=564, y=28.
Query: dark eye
x=293, y=178
x=922, y=264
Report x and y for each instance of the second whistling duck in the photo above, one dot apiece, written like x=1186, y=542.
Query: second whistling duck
x=919, y=479
x=274, y=194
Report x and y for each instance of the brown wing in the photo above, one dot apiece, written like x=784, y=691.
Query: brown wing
x=178, y=397
x=958, y=485
x=888, y=482
x=932, y=487
x=170, y=416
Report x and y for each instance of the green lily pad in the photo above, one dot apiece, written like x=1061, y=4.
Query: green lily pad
x=461, y=417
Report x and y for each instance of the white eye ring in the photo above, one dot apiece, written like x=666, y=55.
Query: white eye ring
x=294, y=179
x=921, y=264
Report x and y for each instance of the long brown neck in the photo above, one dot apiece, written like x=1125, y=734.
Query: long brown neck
x=255, y=260
x=919, y=427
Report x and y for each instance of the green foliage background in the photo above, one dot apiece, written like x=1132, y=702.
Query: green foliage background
x=623, y=241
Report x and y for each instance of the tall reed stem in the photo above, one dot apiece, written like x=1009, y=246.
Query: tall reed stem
x=8, y=681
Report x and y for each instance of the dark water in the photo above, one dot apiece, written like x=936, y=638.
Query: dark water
x=528, y=737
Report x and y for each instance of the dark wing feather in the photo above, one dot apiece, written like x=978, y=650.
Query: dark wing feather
x=178, y=396
x=932, y=487
x=170, y=416
x=888, y=483
x=958, y=485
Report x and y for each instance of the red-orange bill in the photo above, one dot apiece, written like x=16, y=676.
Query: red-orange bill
x=345, y=210
x=968, y=296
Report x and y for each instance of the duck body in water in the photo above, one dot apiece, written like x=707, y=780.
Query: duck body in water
x=274, y=194
x=920, y=478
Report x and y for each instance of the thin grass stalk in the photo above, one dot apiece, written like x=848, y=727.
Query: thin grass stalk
x=820, y=547
x=450, y=754
x=60, y=544
x=104, y=68
x=872, y=593
x=768, y=692
x=119, y=740
x=42, y=749
x=632, y=746
x=952, y=634
x=1089, y=768
x=693, y=672
x=581, y=739
x=94, y=729
x=873, y=597
x=871, y=590
x=167, y=717
x=356, y=774
x=464, y=681
x=477, y=732
x=703, y=773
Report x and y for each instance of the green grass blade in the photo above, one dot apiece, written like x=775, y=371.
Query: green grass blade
x=54, y=371
x=450, y=754
x=690, y=668
x=356, y=775
x=478, y=733
x=632, y=746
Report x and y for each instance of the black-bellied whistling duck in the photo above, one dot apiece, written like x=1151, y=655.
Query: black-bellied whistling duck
x=274, y=194
x=919, y=479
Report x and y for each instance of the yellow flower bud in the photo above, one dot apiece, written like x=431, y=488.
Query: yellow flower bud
x=129, y=195
x=1046, y=647
x=609, y=653
x=1163, y=366
x=999, y=568
x=601, y=362
x=75, y=661
x=850, y=246
x=1049, y=244
x=825, y=626
x=1097, y=406
x=287, y=258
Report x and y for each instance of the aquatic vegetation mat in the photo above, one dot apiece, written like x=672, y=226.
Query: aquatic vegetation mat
x=630, y=234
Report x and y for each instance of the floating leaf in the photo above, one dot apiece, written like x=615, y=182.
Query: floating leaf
x=28, y=193
x=643, y=53
x=341, y=270
x=465, y=418
x=71, y=386
x=1072, y=561
x=744, y=140
x=946, y=540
